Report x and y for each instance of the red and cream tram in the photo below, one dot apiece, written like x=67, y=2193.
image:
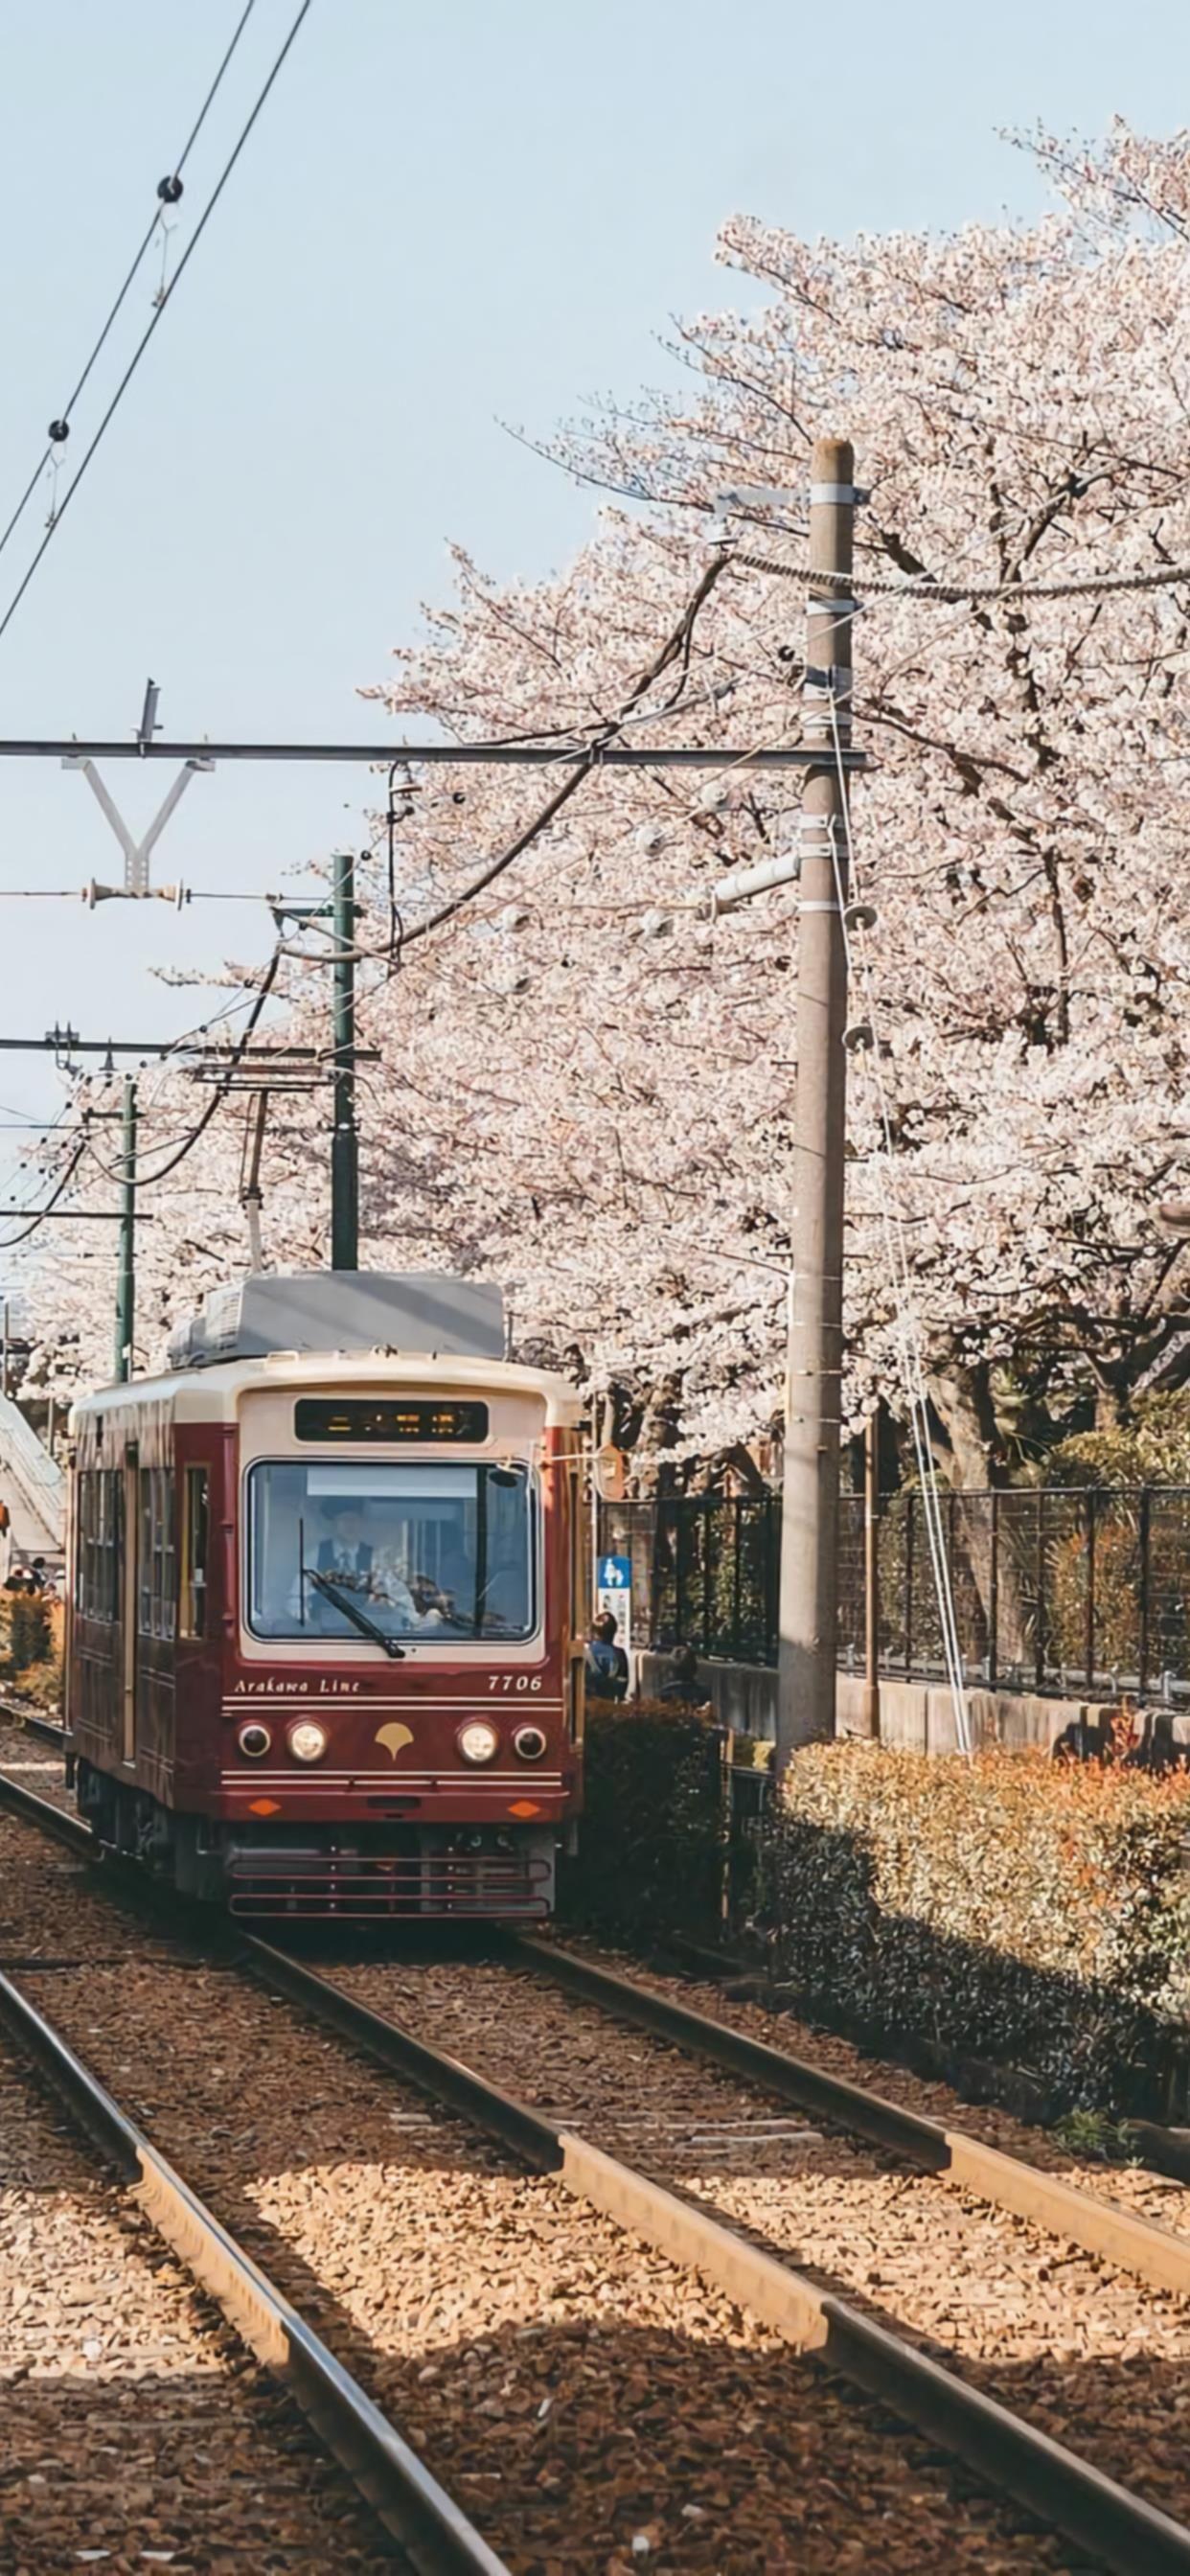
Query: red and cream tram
x=324, y=1646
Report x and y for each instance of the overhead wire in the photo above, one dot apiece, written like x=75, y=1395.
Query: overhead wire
x=676, y=647
x=9, y=1242
x=954, y=594
x=168, y=192
x=159, y=309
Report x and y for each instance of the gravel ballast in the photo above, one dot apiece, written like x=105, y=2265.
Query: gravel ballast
x=593, y=2407
x=135, y=2430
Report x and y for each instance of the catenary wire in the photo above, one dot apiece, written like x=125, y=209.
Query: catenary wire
x=115, y=309
x=151, y=326
x=954, y=594
x=675, y=647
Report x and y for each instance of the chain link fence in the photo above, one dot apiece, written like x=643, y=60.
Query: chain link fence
x=1055, y=1589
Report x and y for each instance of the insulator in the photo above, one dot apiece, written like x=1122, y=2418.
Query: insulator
x=58, y=432
x=169, y=190
x=860, y=916
x=858, y=1038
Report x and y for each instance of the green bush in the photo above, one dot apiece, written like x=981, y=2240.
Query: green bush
x=1008, y=1910
x=29, y=1634
x=651, y=1841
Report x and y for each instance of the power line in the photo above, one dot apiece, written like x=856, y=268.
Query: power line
x=601, y=754
x=169, y=191
x=40, y=1214
x=147, y=334
x=957, y=594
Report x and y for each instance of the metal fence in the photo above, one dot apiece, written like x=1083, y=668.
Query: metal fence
x=1054, y=1589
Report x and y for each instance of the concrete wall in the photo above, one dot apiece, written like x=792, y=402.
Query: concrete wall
x=916, y=1714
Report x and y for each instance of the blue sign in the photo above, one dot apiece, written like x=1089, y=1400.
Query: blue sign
x=615, y=1574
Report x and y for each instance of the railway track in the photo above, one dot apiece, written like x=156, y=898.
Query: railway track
x=207, y=2463
x=112, y=2364
x=687, y=2138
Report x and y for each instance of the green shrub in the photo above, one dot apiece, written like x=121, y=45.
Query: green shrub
x=651, y=1841
x=29, y=1633
x=1007, y=1910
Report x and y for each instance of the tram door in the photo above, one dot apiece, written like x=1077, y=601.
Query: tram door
x=129, y=1595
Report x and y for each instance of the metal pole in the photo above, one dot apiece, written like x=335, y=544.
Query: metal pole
x=126, y=1274
x=872, y=1575
x=344, y=1141
x=252, y=1191
x=810, y=1520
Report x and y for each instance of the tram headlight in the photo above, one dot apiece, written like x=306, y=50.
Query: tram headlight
x=254, y=1741
x=478, y=1742
x=307, y=1742
x=529, y=1742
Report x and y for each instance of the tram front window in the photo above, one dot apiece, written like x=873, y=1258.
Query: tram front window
x=415, y=1550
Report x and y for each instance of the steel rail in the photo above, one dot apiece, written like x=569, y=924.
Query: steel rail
x=42, y=1812
x=1100, y=2227
x=419, y=2513
x=1116, y=2528
x=47, y=1729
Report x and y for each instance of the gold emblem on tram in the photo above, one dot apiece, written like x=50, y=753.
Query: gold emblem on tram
x=393, y=1736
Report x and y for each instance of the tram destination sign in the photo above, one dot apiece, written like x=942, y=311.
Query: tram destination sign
x=321, y=1418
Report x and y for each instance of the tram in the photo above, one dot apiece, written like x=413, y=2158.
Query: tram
x=326, y=1605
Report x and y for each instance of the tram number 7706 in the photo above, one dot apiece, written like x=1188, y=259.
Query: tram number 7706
x=514, y=1681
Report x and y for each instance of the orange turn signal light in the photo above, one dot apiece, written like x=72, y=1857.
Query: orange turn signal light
x=524, y=1807
x=263, y=1807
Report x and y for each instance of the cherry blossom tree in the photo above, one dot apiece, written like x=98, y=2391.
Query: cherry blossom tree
x=587, y=1084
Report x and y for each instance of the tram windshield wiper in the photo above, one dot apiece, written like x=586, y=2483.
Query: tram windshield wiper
x=351, y=1610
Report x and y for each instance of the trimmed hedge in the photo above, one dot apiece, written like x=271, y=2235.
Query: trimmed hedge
x=652, y=1838
x=1008, y=1910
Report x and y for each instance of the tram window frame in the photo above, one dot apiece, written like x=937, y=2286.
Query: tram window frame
x=196, y=1529
x=97, y=1566
x=156, y=1588
x=440, y=1644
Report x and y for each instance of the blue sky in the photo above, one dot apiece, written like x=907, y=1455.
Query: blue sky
x=449, y=215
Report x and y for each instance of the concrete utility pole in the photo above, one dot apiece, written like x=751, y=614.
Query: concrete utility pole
x=344, y=1140
x=126, y=1274
x=810, y=1523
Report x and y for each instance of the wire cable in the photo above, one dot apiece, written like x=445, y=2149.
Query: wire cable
x=151, y=326
x=167, y=193
x=955, y=594
x=10, y=1241
x=676, y=647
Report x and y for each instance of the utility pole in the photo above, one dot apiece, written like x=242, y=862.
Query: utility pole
x=126, y=1274
x=4, y=1354
x=344, y=1140
x=251, y=1191
x=810, y=1521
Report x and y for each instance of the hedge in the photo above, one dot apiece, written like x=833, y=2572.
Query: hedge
x=651, y=1842
x=1010, y=1911
x=31, y=1646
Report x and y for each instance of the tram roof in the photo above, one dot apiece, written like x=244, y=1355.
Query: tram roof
x=214, y=1394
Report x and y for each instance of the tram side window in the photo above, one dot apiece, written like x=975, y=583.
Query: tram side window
x=195, y=1527
x=98, y=1567
x=157, y=1566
